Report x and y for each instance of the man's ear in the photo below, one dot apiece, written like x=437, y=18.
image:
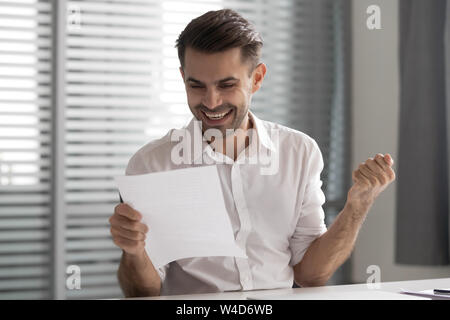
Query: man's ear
x=258, y=76
x=182, y=73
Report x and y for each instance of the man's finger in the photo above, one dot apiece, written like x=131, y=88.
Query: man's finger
x=129, y=245
x=124, y=233
x=380, y=160
x=388, y=169
x=374, y=167
x=366, y=173
x=125, y=210
x=125, y=223
x=360, y=177
x=389, y=160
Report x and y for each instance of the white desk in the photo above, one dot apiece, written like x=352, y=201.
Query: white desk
x=319, y=293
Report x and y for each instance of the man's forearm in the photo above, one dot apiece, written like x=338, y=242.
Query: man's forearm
x=138, y=277
x=328, y=252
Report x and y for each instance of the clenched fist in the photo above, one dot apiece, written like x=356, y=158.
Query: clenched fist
x=127, y=231
x=370, y=179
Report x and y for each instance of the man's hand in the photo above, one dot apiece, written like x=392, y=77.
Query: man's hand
x=370, y=179
x=127, y=231
x=329, y=251
x=137, y=275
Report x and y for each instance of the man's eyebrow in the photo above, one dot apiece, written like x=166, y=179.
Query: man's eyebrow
x=194, y=80
x=227, y=79
x=219, y=81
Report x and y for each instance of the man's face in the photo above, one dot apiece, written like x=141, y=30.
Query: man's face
x=218, y=88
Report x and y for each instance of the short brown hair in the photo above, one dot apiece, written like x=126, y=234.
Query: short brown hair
x=220, y=30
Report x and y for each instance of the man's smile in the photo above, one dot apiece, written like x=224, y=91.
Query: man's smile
x=217, y=119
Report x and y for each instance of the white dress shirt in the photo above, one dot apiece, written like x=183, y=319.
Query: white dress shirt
x=275, y=216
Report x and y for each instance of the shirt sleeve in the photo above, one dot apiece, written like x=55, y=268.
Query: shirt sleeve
x=162, y=271
x=311, y=222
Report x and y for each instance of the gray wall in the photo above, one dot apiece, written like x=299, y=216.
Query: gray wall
x=375, y=108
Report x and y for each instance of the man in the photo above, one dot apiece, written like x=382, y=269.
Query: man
x=277, y=218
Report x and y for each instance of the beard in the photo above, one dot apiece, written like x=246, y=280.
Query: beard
x=237, y=114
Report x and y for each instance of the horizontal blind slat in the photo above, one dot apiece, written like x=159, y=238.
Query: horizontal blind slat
x=25, y=164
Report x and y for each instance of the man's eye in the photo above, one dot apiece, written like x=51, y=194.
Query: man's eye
x=227, y=86
x=196, y=87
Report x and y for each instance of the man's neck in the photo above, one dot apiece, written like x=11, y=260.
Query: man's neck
x=235, y=143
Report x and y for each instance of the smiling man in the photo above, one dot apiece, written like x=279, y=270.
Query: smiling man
x=220, y=99
x=277, y=218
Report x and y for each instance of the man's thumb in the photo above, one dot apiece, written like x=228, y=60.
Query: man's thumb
x=388, y=159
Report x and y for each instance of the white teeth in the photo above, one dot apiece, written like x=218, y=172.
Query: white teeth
x=215, y=116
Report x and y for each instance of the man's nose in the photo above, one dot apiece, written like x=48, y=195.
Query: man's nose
x=212, y=99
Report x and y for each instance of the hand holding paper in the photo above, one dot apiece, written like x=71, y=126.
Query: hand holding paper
x=127, y=232
x=185, y=212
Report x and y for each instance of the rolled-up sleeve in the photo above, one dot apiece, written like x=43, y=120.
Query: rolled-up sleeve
x=162, y=272
x=311, y=221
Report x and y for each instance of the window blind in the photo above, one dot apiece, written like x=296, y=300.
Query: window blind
x=305, y=88
x=122, y=88
x=25, y=159
x=110, y=71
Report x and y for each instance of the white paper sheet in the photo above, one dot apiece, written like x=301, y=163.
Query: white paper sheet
x=185, y=212
x=427, y=293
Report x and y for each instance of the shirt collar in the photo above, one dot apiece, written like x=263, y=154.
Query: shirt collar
x=263, y=136
x=193, y=127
